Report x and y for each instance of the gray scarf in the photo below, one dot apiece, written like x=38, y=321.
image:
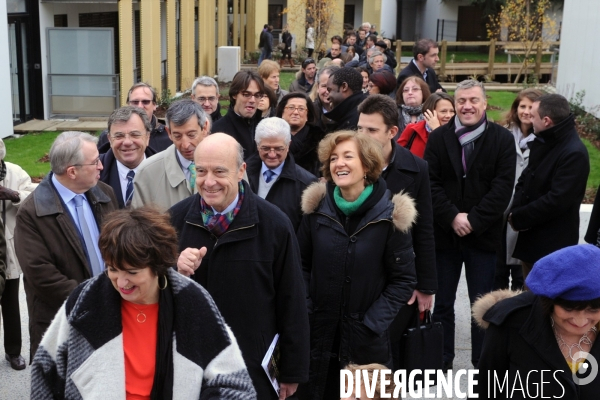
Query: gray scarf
x=467, y=135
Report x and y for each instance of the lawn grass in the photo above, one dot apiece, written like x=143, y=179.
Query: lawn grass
x=594, y=177
x=28, y=149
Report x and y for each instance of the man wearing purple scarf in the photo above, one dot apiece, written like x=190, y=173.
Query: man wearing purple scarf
x=472, y=170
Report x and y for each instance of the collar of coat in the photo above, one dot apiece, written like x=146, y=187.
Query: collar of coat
x=254, y=165
x=47, y=201
x=403, y=213
x=108, y=159
x=485, y=303
x=346, y=107
x=559, y=130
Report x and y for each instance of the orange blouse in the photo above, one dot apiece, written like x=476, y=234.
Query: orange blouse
x=139, y=345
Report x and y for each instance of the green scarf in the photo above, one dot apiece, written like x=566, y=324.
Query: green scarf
x=350, y=207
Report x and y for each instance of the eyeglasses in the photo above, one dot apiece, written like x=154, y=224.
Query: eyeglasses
x=408, y=90
x=258, y=95
x=301, y=110
x=277, y=150
x=118, y=136
x=210, y=99
x=136, y=102
x=95, y=163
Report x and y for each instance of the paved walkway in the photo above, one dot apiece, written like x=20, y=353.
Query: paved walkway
x=14, y=385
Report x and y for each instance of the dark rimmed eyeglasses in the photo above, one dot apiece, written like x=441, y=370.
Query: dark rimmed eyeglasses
x=136, y=102
x=257, y=96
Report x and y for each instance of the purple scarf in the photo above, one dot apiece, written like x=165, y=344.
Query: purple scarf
x=217, y=224
x=467, y=135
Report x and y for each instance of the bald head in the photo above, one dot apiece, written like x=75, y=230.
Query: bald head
x=219, y=169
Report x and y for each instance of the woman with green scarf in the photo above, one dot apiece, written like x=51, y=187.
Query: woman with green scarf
x=357, y=260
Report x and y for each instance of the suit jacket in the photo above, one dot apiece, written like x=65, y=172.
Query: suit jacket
x=160, y=181
x=483, y=193
x=253, y=274
x=241, y=129
x=549, y=192
x=287, y=190
x=51, y=252
x=411, y=70
x=110, y=173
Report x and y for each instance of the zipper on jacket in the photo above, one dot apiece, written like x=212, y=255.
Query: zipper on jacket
x=217, y=241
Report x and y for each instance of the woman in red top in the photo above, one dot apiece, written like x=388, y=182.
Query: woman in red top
x=438, y=109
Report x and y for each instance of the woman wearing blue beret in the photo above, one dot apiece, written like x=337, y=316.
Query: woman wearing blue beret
x=542, y=343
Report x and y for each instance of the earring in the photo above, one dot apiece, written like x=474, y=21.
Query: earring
x=165, y=285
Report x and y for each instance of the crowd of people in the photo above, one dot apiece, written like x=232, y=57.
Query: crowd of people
x=163, y=261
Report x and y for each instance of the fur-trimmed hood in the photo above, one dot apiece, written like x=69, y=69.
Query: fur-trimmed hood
x=404, y=214
x=487, y=301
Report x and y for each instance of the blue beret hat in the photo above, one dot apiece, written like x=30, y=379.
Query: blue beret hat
x=572, y=273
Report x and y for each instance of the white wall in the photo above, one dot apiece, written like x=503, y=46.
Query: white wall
x=438, y=9
x=580, y=52
x=47, y=13
x=388, y=18
x=6, y=124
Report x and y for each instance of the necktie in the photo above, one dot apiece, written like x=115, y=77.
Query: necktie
x=87, y=236
x=129, y=190
x=192, y=168
x=268, y=174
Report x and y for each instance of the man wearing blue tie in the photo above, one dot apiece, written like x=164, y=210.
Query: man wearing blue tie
x=128, y=135
x=57, y=229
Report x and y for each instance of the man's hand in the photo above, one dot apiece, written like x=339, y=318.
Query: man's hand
x=425, y=301
x=286, y=390
x=8, y=194
x=189, y=260
x=461, y=225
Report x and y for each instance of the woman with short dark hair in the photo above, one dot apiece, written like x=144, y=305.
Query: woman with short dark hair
x=131, y=333
x=357, y=259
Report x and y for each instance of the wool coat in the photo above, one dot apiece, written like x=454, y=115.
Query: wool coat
x=241, y=129
x=287, y=189
x=253, y=273
x=110, y=173
x=304, y=147
x=160, y=181
x=300, y=84
x=82, y=357
x=420, y=133
x=355, y=282
x=520, y=343
x=549, y=192
x=483, y=192
x=51, y=251
x=412, y=70
x=18, y=180
x=346, y=113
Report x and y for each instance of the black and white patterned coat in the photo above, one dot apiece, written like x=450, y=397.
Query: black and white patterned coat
x=81, y=355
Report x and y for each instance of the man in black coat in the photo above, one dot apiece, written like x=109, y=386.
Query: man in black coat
x=344, y=89
x=143, y=96
x=409, y=174
x=273, y=174
x=244, y=251
x=129, y=132
x=472, y=169
x=545, y=209
x=245, y=92
x=425, y=53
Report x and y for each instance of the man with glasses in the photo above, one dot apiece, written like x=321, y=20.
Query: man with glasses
x=273, y=174
x=170, y=176
x=143, y=96
x=129, y=133
x=205, y=91
x=305, y=78
x=57, y=229
x=245, y=92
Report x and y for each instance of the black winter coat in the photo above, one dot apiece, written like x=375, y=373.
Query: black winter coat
x=345, y=115
x=241, y=129
x=287, y=190
x=253, y=273
x=484, y=193
x=355, y=283
x=304, y=148
x=410, y=174
x=412, y=70
x=520, y=340
x=549, y=192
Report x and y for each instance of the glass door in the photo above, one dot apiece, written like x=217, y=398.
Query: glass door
x=19, y=70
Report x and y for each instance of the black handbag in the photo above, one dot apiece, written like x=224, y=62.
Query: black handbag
x=422, y=345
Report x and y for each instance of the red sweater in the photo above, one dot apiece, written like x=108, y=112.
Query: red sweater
x=418, y=144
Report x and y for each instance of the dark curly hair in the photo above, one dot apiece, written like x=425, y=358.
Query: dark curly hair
x=350, y=76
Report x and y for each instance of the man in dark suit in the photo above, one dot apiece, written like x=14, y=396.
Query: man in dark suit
x=408, y=173
x=549, y=192
x=273, y=173
x=425, y=53
x=472, y=171
x=128, y=135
